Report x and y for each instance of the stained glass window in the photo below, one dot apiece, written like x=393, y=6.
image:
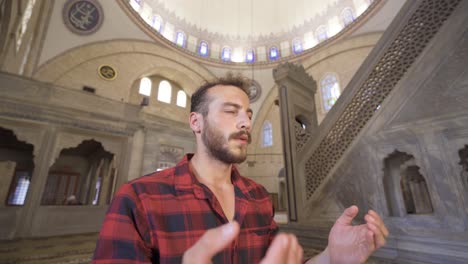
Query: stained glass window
x=297, y=46
x=267, y=134
x=226, y=54
x=156, y=22
x=180, y=39
x=136, y=4
x=330, y=91
x=250, y=56
x=203, y=50
x=274, y=53
x=321, y=33
x=347, y=16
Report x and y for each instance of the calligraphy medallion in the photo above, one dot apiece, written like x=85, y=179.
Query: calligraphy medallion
x=83, y=17
x=107, y=72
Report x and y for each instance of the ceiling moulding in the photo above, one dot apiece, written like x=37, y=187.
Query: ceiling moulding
x=260, y=41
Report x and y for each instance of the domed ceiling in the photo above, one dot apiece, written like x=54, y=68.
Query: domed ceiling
x=247, y=31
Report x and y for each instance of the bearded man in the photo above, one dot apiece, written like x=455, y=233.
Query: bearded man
x=203, y=211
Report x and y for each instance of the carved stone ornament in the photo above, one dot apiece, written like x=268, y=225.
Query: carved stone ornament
x=83, y=17
x=296, y=72
x=255, y=91
x=401, y=53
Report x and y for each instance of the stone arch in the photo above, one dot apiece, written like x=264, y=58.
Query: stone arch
x=405, y=187
x=69, y=140
x=267, y=109
x=83, y=174
x=16, y=168
x=463, y=155
x=414, y=189
x=143, y=57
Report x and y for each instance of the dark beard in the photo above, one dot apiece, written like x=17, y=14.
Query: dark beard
x=214, y=142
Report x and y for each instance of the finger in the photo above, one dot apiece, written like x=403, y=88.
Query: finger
x=348, y=215
x=204, y=249
x=375, y=225
x=370, y=245
x=378, y=238
x=379, y=222
x=278, y=250
x=295, y=250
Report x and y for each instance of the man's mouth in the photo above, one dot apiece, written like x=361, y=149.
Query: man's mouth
x=242, y=136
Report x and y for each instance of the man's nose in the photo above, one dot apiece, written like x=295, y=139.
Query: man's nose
x=244, y=122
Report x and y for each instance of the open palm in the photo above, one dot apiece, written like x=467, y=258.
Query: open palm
x=354, y=244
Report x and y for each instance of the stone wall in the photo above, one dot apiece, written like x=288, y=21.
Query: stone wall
x=425, y=119
x=52, y=119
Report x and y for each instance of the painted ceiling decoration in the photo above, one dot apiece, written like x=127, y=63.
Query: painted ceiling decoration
x=247, y=31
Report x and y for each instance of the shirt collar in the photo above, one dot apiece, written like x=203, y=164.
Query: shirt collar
x=185, y=180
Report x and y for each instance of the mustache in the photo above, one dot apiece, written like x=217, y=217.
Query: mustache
x=240, y=134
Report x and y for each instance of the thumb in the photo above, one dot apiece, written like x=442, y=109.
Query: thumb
x=213, y=241
x=348, y=215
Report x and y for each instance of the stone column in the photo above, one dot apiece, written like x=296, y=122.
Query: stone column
x=38, y=181
x=136, y=157
x=7, y=172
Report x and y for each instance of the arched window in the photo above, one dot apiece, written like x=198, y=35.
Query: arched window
x=203, y=49
x=321, y=33
x=226, y=54
x=267, y=134
x=347, y=16
x=297, y=46
x=250, y=56
x=274, y=53
x=145, y=86
x=136, y=4
x=157, y=22
x=330, y=91
x=180, y=39
x=17, y=167
x=181, y=99
x=164, y=92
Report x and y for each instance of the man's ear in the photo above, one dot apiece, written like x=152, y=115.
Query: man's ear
x=196, y=121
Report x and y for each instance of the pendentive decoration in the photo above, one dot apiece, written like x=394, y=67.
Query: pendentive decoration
x=107, y=72
x=83, y=17
x=255, y=91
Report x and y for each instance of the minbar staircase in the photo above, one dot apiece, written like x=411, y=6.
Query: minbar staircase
x=338, y=163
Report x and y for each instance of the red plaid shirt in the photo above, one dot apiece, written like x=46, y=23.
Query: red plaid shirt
x=156, y=218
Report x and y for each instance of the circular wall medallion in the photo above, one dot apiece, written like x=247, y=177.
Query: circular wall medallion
x=83, y=17
x=255, y=91
x=107, y=72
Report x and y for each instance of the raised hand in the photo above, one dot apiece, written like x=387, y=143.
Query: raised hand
x=354, y=244
x=284, y=248
x=206, y=247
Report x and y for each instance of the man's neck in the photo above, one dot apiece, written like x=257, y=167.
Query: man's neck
x=210, y=171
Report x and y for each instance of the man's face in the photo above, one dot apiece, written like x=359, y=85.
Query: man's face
x=226, y=128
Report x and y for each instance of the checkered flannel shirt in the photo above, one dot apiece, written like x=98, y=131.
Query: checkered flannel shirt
x=156, y=218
